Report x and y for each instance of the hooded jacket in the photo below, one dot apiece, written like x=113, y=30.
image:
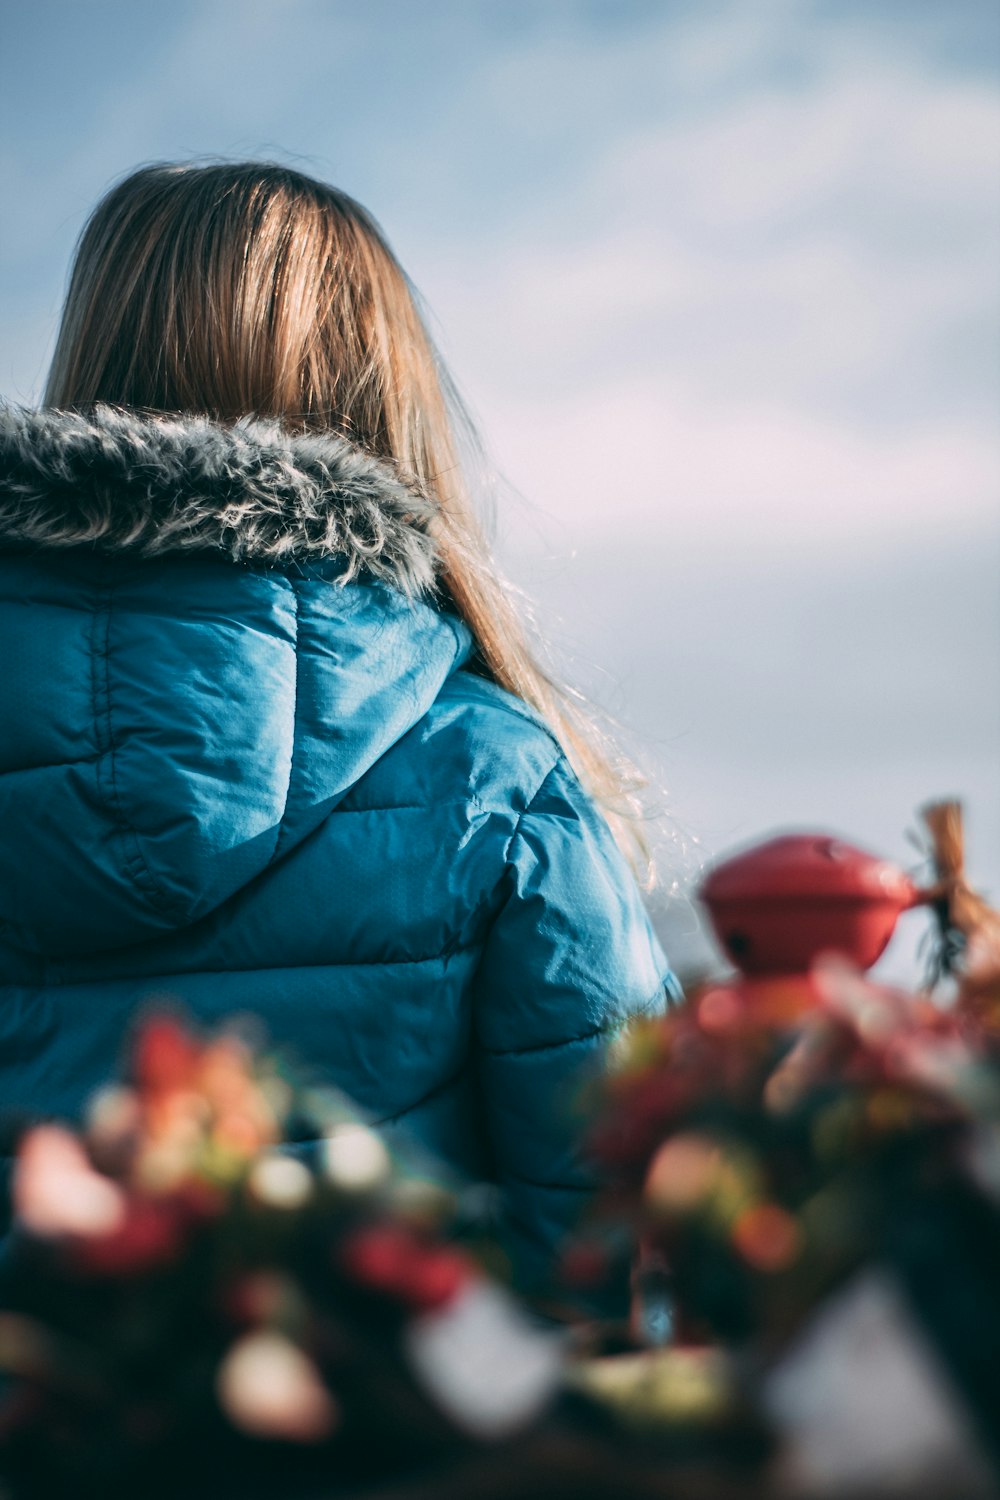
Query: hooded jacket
x=245, y=766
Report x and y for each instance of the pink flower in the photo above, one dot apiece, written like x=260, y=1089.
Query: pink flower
x=56, y=1190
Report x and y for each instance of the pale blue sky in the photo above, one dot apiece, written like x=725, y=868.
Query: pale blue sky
x=722, y=284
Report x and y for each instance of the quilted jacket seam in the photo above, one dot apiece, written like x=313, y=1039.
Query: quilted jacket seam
x=571, y=1041
x=433, y=1093
x=516, y=830
x=389, y=807
x=444, y=956
x=133, y=860
x=296, y=737
x=56, y=765
x=558, y=1187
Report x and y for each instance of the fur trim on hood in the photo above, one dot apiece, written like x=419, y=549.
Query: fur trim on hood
x=123, y=482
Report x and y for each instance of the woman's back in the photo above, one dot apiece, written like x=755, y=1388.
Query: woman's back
x=247, y=787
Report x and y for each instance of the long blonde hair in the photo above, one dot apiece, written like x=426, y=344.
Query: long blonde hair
x=248, y=288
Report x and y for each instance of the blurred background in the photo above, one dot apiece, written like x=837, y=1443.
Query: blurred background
x=720, y=283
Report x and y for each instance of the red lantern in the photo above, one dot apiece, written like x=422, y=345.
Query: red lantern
x=780, y=905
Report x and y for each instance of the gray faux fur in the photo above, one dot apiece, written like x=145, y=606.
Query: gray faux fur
x=120, y=481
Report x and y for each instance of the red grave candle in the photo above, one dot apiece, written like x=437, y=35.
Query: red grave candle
x=780, y=905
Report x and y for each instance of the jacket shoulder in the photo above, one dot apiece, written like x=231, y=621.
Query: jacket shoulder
x=478, y=743
x=500, y=726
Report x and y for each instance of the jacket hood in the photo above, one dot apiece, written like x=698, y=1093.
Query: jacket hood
x=121, y=482
x=174, y=724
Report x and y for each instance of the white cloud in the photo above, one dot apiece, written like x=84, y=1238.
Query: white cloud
x=752, y=475
x=857, y=209
x=774, y=318
x=772, y=158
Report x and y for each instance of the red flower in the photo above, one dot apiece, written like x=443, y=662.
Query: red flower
x=152, y=1234
x=391, y=1259
x=164, y=1055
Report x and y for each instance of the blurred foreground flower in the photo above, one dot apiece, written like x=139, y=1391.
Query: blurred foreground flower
x=228, y=1268
x=789, y=1142
x=269, y=1388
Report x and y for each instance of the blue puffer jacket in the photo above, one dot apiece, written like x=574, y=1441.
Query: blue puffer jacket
x=244, y=765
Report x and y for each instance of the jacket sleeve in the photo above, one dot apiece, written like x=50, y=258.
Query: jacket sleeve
x=570, y=958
